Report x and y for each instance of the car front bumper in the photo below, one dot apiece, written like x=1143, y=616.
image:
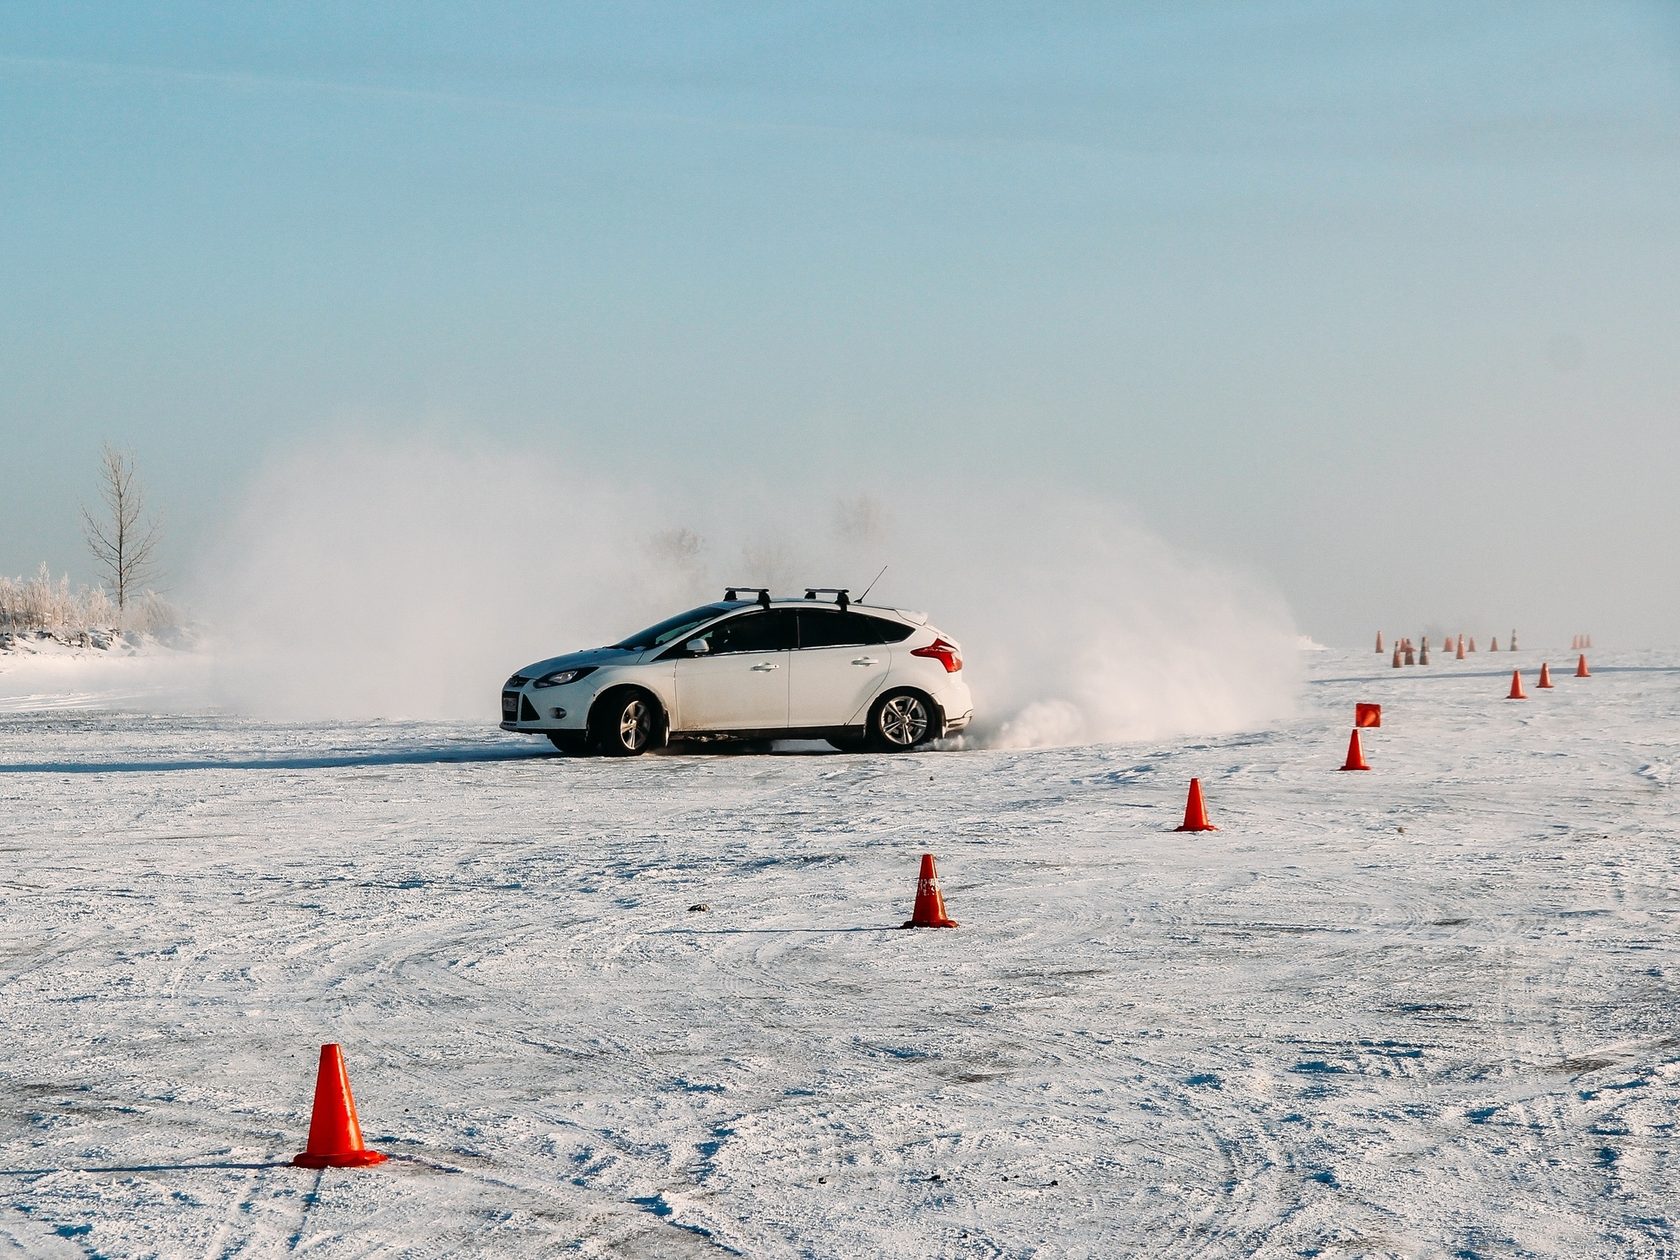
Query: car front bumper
x=543, y=712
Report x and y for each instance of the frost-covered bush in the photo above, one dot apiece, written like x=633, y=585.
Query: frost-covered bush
x=49, y=604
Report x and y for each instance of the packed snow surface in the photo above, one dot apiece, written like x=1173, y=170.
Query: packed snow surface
x=1426, y=1010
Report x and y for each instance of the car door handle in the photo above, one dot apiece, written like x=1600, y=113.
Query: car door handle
x=864, y=660
x=764, y=667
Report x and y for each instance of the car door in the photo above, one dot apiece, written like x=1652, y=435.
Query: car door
x=836, y=670
x=740, y=681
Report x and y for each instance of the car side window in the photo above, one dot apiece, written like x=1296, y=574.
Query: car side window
x=880, y=630
x=752, y=632
x=818, y=629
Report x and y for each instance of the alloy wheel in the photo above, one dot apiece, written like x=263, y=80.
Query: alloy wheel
x=635, y=725
x=904, y=721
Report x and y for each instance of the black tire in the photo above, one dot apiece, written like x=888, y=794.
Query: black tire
x=902, y=720
x=572, y=743
x=626, y=723
x=848, y=743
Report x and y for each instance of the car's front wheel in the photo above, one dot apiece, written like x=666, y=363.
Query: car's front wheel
x=900, y=721
x=624, y=724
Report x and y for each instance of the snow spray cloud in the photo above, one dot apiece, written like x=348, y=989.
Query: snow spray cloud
x=408, y=578
x=1077, y=623
x=1083, y=626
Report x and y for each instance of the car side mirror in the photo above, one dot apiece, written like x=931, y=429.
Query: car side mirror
x=696, y=647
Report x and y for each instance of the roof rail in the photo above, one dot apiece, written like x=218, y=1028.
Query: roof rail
x=842, y=595
x=763, y=593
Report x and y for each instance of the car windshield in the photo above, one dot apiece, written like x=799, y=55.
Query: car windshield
x=674, y=627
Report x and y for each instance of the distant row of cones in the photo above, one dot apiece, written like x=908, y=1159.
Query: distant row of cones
x=1405, y=648
x=1408, y=653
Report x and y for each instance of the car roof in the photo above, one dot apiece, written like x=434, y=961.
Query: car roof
x=812, y=605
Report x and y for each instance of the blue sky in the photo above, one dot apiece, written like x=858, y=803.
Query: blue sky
x=1376, y=300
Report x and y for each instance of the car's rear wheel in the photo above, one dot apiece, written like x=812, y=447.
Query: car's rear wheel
x=625, y=723
x=900, y=721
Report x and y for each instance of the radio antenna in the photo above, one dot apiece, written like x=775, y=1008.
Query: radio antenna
x=871, y=585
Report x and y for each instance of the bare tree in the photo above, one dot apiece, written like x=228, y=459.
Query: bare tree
x=122, y=543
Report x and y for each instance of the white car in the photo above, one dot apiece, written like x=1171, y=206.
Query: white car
x=751, y=668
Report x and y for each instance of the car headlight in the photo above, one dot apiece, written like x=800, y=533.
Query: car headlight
x=560, y=677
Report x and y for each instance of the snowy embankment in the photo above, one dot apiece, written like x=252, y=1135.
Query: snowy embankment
x=101, y=669
x=1424, y=1010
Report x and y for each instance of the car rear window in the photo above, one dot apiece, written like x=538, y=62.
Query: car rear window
x=818, y=628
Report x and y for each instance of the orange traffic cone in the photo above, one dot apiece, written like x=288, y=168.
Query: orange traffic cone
x=1195, y=811
x=1379, y=642
x=1459, y=655
x=1472, y=643
x=1356, y=754
x=1581, y=670
x=1516, y=686
x=1545, y=676
x=1586, y=640
x=1411, y=653
x=1423, y=652
x=335, y=1135
x=1396, y=654
x=1367, y=714
x=1575, y=644
x=1513, y=641
x=1494, y=646
x=930, y=902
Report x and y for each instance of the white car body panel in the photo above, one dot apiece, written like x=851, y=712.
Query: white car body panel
x=835, y=684
x=738, y=691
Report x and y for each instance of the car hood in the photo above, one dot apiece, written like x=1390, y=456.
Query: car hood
x=575, y=660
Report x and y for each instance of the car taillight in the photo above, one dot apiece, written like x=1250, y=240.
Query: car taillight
x=943, y=652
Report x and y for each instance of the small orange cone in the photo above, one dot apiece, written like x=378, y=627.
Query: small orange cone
x=335, y=1135
x=1367, y=714
x=1494, y=646
x=1575, y=644
x=1472, y=643
x=1411, y=653
x=1581, y=670
x=1396, y=654
x=1356, y=754
x=1423, y=652
x=1545, y=676
x=1516, y=686
x=1460, y=653
x=1379, y=642
x=1195, y=811
x=1513, y=640
x=930, y=902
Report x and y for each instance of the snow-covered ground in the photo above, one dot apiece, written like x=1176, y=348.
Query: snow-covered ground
x=1429, y=1010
